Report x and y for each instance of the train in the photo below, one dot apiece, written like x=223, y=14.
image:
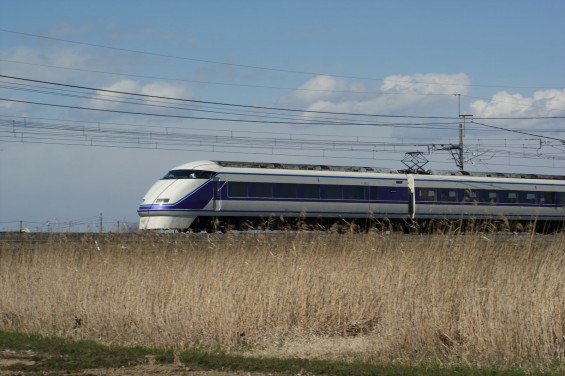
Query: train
x=228, y=195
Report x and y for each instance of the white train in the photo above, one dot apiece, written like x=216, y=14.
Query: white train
x=212, y=195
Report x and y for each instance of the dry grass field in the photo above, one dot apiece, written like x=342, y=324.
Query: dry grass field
x=481, y=300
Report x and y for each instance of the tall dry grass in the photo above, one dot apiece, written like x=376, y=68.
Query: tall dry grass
x=475, y=299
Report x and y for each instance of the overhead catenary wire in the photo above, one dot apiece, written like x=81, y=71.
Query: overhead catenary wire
x=298, y=89
x=250, y=66
x=200, y=117
x=274, y=108
x=218, y=109
x=94, y=135
x=397, y=125
x=177, y=134
x=197, y=108
x=245, y=114
x=518, y=131
x=10, y=120
x=249, y=106
x=232, y=104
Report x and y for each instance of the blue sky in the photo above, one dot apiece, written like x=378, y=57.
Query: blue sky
x=403, y=58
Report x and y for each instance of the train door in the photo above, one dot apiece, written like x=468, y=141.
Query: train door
x=217, y=199
x=411, y=196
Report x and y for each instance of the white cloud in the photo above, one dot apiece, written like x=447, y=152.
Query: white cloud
x=165, y=89
x=541, y=103
x=76, y=65
x=422, y=94
x=431, y=83
x=24, y=60
x=322, y=88
x=108, y=100
x=105, y=100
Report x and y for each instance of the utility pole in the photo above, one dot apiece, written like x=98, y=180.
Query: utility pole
x=459, y=148
x=100, y=222
x=461, y=145
x=461, y=133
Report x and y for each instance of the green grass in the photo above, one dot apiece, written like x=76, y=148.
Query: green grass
x=54, y=354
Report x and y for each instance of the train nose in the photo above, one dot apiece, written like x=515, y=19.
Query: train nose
x=158, y=194
x=173, y=204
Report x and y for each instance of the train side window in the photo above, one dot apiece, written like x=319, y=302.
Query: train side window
x=562, y=198
x=529, y=197
x=374, y=193
x=311, y=191
x=470, y=196
x=427, y=194
x=286, y=190
x=355, y=192
x=333, y=192
x=262, y=189
x=448, y=195
x=488, y=196
x=237, y=189
x=547, y=198
x=509, y=197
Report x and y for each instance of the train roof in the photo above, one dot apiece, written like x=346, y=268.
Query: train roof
x=317, y=167
x=296, y=166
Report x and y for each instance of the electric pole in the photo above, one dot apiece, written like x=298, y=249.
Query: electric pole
x=459, y=148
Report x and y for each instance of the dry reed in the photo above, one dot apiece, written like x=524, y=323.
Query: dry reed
x=466, y=299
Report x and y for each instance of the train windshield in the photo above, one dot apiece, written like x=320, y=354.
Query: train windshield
x=188, y=174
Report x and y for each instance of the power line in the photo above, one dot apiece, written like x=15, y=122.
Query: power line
x=332, y=122
x=227, y=131
x=76, y=94
x=95, y=131
x=205, y=118
x=163, y=140
x=247, y=66
x=520, y=132
x=278, y=108
x=199, y=108
x=517, y=103
x=379, y=92
x=396, y=125
x=67, y=134
x=223, y=83
x=247, y=106
x=231, y=104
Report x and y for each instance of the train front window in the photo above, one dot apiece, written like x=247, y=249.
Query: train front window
x=188, y=174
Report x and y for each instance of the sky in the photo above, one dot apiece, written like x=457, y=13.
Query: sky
x=99, y=99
